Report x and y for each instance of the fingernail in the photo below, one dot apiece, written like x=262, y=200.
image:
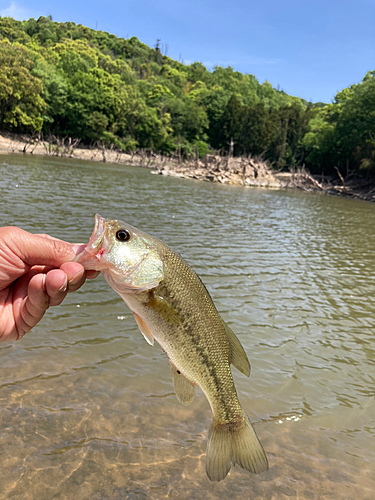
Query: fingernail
x=64, y=287
x=77, y=277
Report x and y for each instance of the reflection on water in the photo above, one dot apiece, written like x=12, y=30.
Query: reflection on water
x=87, y=406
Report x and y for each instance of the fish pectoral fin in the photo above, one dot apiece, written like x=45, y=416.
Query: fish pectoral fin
x=164, y=309
x=144, y=329
x=237, y=355
x=183, y=388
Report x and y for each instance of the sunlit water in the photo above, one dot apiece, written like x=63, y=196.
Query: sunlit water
x=87, y=406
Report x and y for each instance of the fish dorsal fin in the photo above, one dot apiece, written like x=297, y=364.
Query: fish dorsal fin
x=237, y=355
x=183, y=388
x=144, y=329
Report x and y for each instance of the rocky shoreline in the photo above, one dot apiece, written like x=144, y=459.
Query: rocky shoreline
x=246, y=172
x=234, y=171
x=238, y=171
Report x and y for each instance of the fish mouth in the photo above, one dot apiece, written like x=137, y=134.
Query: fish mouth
x=90, y=256
x=97, y=236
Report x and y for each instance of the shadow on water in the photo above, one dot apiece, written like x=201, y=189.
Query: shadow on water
x=87, y=406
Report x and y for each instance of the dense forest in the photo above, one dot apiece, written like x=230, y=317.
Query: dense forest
x=65, y=79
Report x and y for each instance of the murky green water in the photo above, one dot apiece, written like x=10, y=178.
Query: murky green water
x=87, y=406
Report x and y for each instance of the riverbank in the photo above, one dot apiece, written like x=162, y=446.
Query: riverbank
x=239, y=171
x=247, y=172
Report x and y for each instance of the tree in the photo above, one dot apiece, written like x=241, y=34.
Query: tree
x=188, y=119
x=355, y=127
x=21, y=105
x=258, y=129
x=215, y=103
x=74, y=56
x=198, y=72
x=12, y=30
x=151, y=130
x=96, y=101
x=230, y=123
x=342, y=134
x=286, y=149
x=319, y=142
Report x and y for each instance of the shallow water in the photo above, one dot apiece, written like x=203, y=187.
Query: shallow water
x=87, y=408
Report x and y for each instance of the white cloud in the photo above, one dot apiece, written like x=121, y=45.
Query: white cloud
x=16, y=11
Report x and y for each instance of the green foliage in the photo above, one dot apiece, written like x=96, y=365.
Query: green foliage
x=202, y=148
x=75, y=55
x=342, y=134
x=230, y=122
x=67, y=79
x=286, y=147
x=20, y=102
x=96, y=102
x=319, y=139
x=151, y=130
x=259, y=129
x=13, y=31
x=188, y=119
x=215, y=103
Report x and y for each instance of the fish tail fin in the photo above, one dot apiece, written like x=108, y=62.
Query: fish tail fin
x=236, y=443
x=247, y=450
x=219, y=452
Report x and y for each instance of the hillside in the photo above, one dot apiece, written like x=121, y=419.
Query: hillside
x=64, y=79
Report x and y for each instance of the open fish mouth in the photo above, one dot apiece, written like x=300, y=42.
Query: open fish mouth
x=97, y=236
x=91, y=254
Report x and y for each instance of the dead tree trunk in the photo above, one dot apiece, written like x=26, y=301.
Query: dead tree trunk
x=341, y=177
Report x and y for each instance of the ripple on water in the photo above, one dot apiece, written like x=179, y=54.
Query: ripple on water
x=87, y=406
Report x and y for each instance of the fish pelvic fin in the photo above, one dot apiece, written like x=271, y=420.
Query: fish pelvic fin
x=237, y=354
x=183, y=388
x=146, y=332
x=237, y=443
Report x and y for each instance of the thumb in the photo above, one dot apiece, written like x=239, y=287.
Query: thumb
x=38, y=250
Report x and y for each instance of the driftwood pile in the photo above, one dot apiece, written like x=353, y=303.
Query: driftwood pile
x=212, y=168
x=350, y=186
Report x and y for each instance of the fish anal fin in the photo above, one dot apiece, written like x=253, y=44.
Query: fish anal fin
x=237, y=355
x=183, y=388
x=144, y=329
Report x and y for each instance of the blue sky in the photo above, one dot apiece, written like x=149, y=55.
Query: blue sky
x=311, y=49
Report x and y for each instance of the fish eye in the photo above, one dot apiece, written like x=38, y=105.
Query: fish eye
x=122, y=235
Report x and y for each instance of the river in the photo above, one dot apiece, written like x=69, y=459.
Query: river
x=87, y=408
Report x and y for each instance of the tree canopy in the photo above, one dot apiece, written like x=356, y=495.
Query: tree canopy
x=67, y=79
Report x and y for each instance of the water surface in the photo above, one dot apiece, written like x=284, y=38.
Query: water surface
x=87, y=408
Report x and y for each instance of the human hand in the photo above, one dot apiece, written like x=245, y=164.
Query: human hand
x=35, y=273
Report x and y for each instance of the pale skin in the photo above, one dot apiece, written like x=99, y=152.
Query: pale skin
x=35, y=273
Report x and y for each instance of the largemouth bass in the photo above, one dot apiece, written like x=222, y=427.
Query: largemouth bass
x=172, y=306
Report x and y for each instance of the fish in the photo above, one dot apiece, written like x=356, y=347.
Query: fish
x=171, y=305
